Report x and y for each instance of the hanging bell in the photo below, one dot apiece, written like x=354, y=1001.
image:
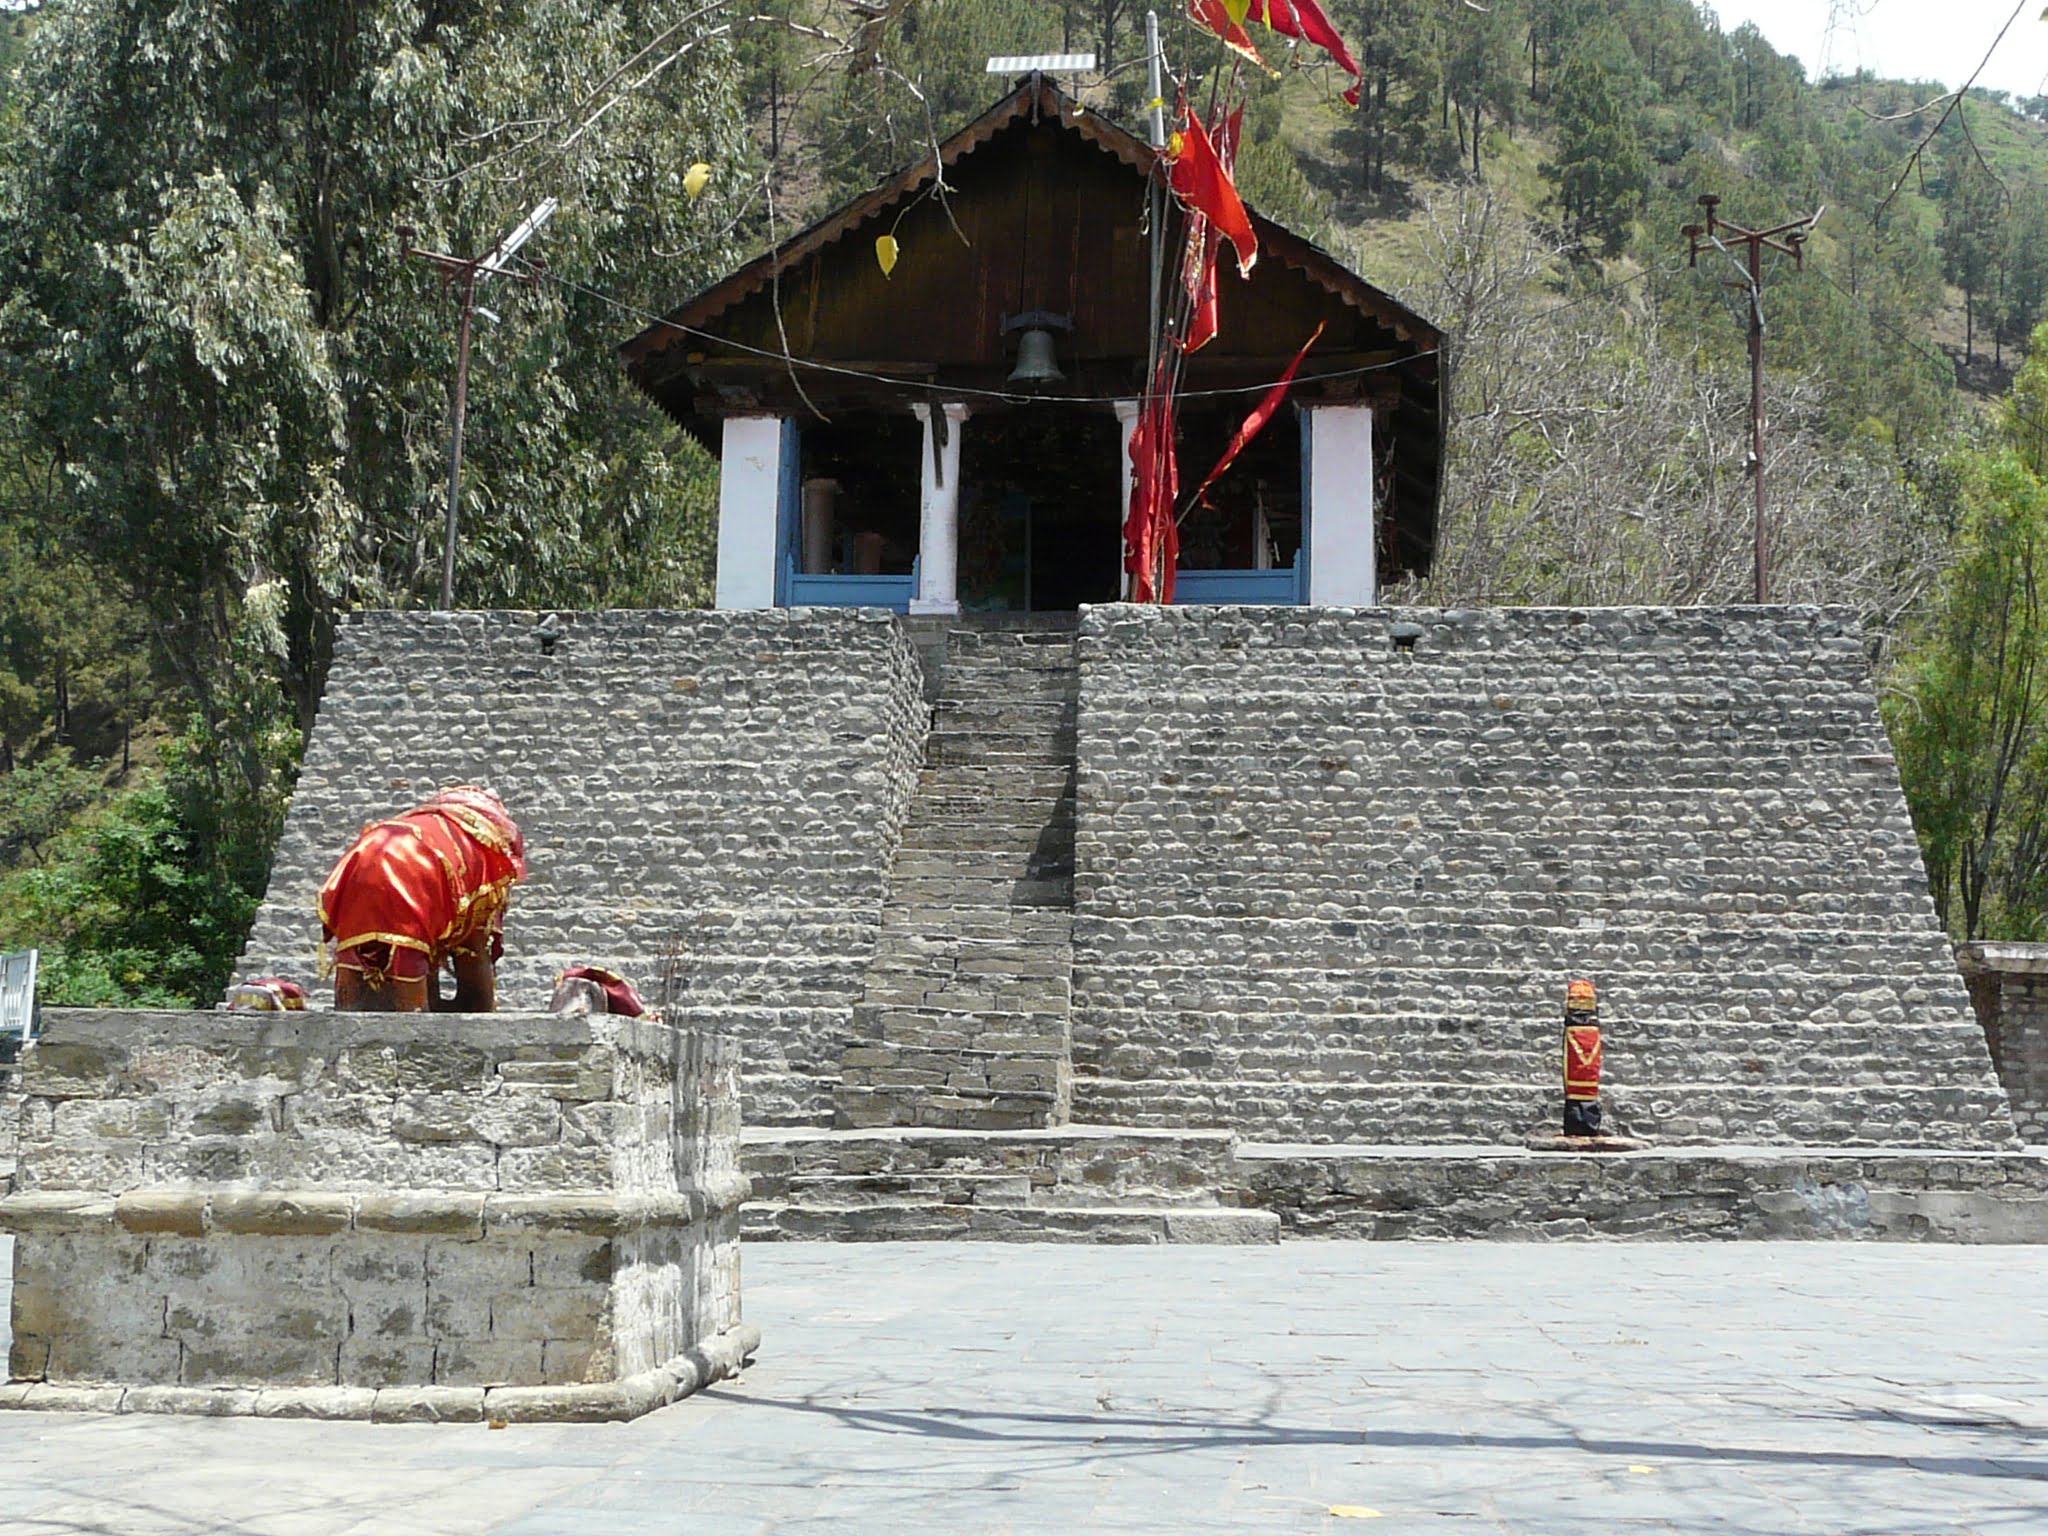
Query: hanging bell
x=1036, y=361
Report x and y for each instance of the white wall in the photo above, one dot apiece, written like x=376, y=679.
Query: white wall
x=749, y=477
x=1343, y=554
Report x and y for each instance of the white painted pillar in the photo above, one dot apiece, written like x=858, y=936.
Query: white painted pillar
x=1343, y=547
x=749, y=491
x=1127, y=418
x=938, y=537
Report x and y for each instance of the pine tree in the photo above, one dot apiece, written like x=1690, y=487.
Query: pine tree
x=1601, y=171
x=1972, y=222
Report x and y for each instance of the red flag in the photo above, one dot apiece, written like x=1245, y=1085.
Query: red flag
x=1151, y=533
x=1199, y=180
x=1304, y=19
x=1198, y=266
x=1198, y=277
x=1216, y=17
x=1262, y=413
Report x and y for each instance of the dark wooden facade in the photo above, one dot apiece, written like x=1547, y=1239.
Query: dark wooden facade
x=1044, y=209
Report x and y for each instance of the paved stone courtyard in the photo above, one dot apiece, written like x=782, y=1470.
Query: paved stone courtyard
x=1751, y=1388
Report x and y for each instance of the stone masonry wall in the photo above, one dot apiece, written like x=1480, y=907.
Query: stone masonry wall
x=1335, y=867
x=366, y=1215
x=733, y=781
x=2009, y=985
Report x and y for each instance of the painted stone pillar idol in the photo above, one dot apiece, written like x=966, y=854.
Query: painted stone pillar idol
x=1581, y=1059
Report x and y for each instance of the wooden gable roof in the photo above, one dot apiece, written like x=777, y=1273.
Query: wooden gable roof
x=1042, y=209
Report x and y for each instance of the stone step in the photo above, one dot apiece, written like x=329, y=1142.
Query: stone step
x=1021, y=955
x=963, y=891
x=1833, y=1054
x=860, y=1108
x=955, y=997
x=768, y=1221
x=983, y=864
x=1018, y=1032
x=1965, y=1114
x=1660, y=1194
x=1512, y=994
x=1019, y=754
x=948, y=922
x=1101, y=1156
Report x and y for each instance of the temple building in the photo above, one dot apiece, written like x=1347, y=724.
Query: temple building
x=952, y=436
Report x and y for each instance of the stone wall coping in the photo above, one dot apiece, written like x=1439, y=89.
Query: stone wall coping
x=1980, y=957
x=506, y=1031
x=715, y=1359
x=207, y=1212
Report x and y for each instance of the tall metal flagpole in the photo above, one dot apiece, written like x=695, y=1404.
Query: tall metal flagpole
x=468, y=271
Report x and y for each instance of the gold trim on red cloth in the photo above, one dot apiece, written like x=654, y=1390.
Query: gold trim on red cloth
x=432, y=882
x=1582, y=1054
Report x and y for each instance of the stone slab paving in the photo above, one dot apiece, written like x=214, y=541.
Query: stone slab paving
x=1751, y=1388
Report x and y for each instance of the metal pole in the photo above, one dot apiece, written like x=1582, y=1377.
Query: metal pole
x=455, y=449
x=1787, y=240
x=1157, y=80
x=1756, y=414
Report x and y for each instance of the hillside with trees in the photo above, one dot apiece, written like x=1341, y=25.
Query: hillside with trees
x=224, y=385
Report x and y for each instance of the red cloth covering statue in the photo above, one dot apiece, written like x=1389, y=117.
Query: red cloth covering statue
x=618, y=995
x=1581, y=1060
x=420, y=891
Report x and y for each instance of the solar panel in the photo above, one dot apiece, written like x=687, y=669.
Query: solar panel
x=1040, y=63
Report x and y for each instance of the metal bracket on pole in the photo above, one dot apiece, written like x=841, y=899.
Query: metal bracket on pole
x=1787, y=240
x=469, y=271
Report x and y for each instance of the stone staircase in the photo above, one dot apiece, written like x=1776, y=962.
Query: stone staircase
x=950, y=1116
x=964, y=1019
x=1093, y=1184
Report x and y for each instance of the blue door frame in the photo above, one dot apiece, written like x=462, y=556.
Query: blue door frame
x=798, y=589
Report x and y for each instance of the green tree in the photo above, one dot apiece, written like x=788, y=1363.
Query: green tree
x=213, y=349
x=1601, y=172
x=1972, y=225
x=1968, y=710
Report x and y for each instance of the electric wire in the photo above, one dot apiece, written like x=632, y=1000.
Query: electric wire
x=656, y=321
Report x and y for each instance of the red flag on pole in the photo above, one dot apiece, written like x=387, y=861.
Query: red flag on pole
x=1199, y=180
x=1198, y=266
x=1151, y=533
x=1304, y=19
x=1215, y=15
x=1262, y=413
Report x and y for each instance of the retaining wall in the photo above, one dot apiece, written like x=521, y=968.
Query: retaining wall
x=2009, y=985
x=374, y=1215
x=730, y=783
x=1335, y=868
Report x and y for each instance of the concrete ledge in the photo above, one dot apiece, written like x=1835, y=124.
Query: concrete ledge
x=1394, y=1192
x=691, y=1371
x=302, y=1213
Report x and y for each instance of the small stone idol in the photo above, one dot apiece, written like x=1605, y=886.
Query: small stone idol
x=1581, y=1059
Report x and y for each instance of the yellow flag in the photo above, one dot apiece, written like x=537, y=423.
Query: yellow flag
x=696, y=179
x=886, y=251
x=1238, y=9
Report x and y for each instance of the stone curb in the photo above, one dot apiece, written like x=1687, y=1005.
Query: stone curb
x=299, y=1213
x=718, y=1357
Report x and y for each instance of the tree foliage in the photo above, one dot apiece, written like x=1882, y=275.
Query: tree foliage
x=223, y=389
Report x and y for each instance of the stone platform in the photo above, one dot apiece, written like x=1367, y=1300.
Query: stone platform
x=1311, y=878
x=1072, y=1184
x=393, y=1217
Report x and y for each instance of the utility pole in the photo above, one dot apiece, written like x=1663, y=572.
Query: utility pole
x=1787, y=240
x=467, y=272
